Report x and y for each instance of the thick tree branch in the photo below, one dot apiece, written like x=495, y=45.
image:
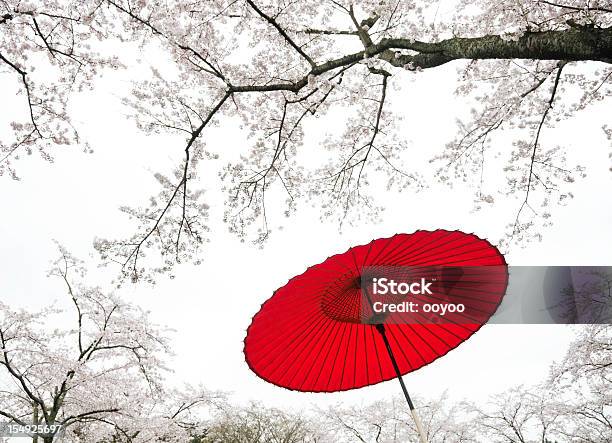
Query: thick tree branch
x=362, y=28
x=570, y=44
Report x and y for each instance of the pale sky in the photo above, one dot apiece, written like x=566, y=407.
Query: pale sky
x=210, y=306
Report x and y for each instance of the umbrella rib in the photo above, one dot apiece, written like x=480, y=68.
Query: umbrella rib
x=310, y=345
x=424, y=260
x=408, y=248
x=312, y=307
x=441, y=326
x=385, y=246
x=357, y=329
x=334, y=273
x=301, y=338
x=432, y=248
x=301, y=351
x=419, y=244
x=331, y=372
x=355, y=261
x=337, y=300
x=433, y=270
x=365, y=258
x=376, y=350
x=339, y=262
x=304, y=347
x=337, y=327
x=278, y=337
x=338, y=297
x=344, y=295
x=401, y=348
x=425, y=256
x=393, y=250
x=345, y=355
x=415, y=333
x=428, y=329
x=365, y=351
x=421, y=255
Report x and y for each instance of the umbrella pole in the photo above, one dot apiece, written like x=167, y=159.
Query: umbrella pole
x=417, y=421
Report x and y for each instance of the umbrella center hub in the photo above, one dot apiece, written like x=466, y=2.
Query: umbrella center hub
x=342, y=299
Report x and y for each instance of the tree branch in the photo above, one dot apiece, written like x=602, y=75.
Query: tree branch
x=576, y=8
x=536, y=144
x=19, y=377
x=282, y=32
x=182, y=185
x=570, y=44
x=12, y=417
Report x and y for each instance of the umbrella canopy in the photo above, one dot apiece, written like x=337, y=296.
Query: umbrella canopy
x=318, y=333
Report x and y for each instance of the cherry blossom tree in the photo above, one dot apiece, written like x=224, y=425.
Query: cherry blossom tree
x=97, y=371
x=574, y=404
x=388, y=421
x=279, y=65
x=519, y=415
x=47, y=51
x=584, y=379
x=256, y=423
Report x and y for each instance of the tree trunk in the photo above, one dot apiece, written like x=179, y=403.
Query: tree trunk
x=35, y=420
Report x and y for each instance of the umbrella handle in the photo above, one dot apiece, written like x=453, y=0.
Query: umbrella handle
x=419, y=425
x=417, y=421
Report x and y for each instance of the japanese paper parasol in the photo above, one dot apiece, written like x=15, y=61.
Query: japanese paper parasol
x=328, y=329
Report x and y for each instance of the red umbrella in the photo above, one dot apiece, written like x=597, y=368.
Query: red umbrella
x=328, y=329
